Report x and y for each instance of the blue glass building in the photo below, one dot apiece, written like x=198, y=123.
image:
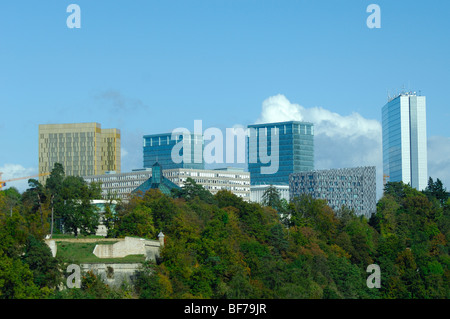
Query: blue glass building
x=276, y=150
x=176, y=152
x=405, y=140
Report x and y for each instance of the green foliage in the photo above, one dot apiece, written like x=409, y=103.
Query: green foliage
x=191, y=190
x=152, y=282
x=92, y=287
x=235, y=249
x=38, y=257
x=16, y=279
x=223, y=247
x=436, y=190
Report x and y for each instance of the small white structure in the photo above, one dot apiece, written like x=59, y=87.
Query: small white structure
x=257, y=192
x=51, y=244
x=131, y=246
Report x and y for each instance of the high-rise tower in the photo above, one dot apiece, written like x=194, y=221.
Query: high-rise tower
x=82, y=148
x=162, y=149
x=405, y=140
x=276, y=150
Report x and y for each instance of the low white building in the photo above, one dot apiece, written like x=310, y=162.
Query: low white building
x=257, y=192
x=236, y=180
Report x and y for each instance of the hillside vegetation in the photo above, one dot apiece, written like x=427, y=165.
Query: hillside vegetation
x=223, y=247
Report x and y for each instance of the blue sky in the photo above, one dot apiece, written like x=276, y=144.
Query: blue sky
x=150, y=66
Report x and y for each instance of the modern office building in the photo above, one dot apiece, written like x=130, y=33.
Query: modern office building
x=82, y=148
x=352, y=187
x=122, y=185
x=181, y=151
x=276, y=150
x=119, y=185
x=233, y=179
x=405, y=140
x=257, y=192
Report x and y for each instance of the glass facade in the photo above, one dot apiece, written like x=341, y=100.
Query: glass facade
x=174, y=153
x=404, y=140
x=287, y=147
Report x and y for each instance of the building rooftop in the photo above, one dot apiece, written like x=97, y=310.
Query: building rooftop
x=157, y=181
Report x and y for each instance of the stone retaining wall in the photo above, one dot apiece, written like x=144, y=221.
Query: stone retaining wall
x=129, y=246
x=112, y=274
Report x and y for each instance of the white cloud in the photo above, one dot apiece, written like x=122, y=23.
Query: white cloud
x=131, y=157
x=123, y=153
x=11, y=171
x=439, y=159
x=339, y=141
x=278, y=108
x=351, y=140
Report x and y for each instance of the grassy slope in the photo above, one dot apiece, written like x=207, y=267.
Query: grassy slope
x=81, y=252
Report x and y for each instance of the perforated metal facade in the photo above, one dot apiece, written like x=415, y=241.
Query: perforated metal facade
x=352, y=187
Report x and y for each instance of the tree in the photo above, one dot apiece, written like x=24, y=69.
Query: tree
x=12, y=197
x=54, y=186
x=436, y=190
x=16, y=279
x=77, y=210
x=163, y=207
x=191, y=189
x=138, y=222
x=271, y=197
x=37, y=197
x=38, y=257
x=152, y=283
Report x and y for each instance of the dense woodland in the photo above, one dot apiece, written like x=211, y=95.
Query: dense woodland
x=219, y=246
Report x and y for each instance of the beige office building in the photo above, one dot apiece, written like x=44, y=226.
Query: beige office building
x=82, y=148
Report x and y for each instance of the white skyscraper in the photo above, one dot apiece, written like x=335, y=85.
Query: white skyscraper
x=405, y=140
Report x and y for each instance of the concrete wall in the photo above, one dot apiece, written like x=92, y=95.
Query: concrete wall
x=113, y=275
x=52, y=245
x=129, y=246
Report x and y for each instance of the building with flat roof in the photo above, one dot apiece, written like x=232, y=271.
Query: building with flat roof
x=82, y=148
x=276, y=150
x=236, y=180
x=352, y=187
x=257, y=192
x=174, y=150
x=119, y=185
x=405, y=140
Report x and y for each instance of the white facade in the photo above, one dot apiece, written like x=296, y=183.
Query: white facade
x=234, y=180
x=405, y=140
x=121, y=185
x=257, y=192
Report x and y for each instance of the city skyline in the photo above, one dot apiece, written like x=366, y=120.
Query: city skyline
x=148, y=67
